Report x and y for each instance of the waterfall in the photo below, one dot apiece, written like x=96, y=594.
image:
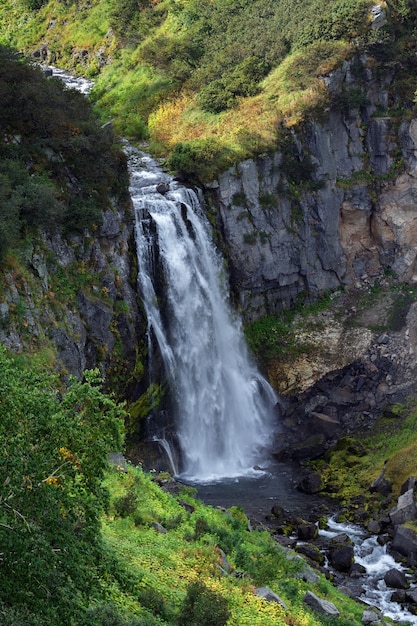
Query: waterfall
x=223, y=405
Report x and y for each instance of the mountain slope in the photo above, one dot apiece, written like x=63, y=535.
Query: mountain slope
x=219, y=76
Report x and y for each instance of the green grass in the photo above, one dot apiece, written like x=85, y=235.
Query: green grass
x=276, y=336
x=190, y=551
x=354, y=463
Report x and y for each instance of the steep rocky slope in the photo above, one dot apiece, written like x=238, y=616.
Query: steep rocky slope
x=334, y=208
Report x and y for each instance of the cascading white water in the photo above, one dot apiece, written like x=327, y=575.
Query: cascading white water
x=376, y=561
x=223, y=405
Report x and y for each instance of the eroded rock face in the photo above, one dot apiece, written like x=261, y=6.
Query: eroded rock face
x=93, y=322
x=350, y=219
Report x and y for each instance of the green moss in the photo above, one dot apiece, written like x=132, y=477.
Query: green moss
x=149, y=401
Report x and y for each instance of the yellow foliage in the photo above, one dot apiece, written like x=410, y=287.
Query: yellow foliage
x=164, y=122
x=401, y=466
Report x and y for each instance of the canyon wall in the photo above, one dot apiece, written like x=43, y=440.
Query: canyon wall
x=335, y=207
x=76, y=298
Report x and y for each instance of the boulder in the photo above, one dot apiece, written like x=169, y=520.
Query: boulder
x=405, y=510
x=158, y=527
x=371, y=616
x=311, y=552
x=411, y=595
x=342, y=540
x=277, y=511
x=187, y=506
x=381, y=485
x=396, y=579
x=307, y=532
x=398, y=596
x=309, y=576
x=405, y=541
x=321, y=606
x=162, y=188
x=342, y=558
x=374, y=527
x=267, y=594
x=357, y=570
x=379, y=16
x=311, y=483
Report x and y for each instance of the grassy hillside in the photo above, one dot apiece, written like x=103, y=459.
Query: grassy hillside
x=210, y=82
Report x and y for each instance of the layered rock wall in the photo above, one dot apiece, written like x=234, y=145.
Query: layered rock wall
x=351, y=219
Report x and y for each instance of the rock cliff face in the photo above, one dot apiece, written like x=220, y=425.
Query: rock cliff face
x=335, y=207
x=78, y=297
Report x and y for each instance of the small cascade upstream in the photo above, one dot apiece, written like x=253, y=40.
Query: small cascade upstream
x=223, y=406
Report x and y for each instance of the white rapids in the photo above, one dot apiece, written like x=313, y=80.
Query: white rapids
x=376, y=561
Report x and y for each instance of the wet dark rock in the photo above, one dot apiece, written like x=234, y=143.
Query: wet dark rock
x=307, y=532
x=404, y=541
x=383, y=539
x=411, y=595
x=277, y=511
x=162, y=188
x=310, y=448
x=341, y=540
x=374, y=527
x=286, y=542
x=311, y=552
x=342, y=558
x=398, y=596
x=311, y=483
x=357, y=570
x=326, y=424
x=396, y=579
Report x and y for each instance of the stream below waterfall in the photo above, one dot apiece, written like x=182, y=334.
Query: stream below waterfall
x=278, y=485
x=221, y=461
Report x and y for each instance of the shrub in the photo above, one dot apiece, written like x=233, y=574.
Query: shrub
x=126, y=505
x=108, y=615
x=203, y=607
x=202, y=159
x=153, y=600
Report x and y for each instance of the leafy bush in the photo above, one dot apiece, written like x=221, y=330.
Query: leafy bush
x=34, y=5
x=126, y=504
x=203, y=607
x=243, y=81
x=53, y=454
x=201, y=158
x=153, y=600
x=108, y=615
